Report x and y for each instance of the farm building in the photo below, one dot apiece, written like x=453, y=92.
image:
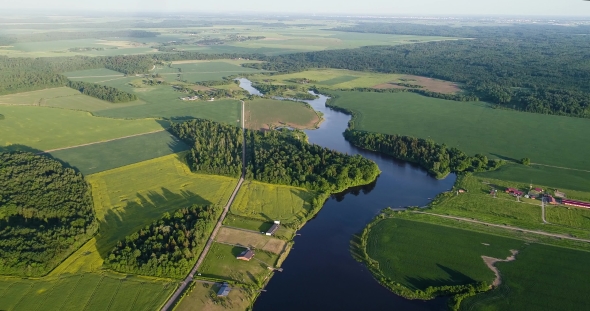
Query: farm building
x=539, y=190
x=515, y=192
x=575, y=203
x=274, y=228
x=190, y=98
x=560, y=194
x=246, y=255
x=549, y=199
x=224, y=290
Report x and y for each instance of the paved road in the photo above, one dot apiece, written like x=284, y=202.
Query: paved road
x=508, y=227
x=191, y=275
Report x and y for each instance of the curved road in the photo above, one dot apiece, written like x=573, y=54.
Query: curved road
x=170, y=303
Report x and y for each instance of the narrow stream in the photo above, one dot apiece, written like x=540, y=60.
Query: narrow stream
x=320, y=273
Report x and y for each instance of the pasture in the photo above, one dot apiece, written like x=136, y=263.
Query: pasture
x=221, y=263
x=49, y=128
x=472, y=127
x=270, y=113
x=116, y=153
x=418, y=255
x=268, y=202
x=347, y=79
x=88, y=291
x=60, y=48
x=201, y=296
x=253, y=240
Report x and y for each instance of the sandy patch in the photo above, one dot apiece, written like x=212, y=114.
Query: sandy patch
x=490, y=262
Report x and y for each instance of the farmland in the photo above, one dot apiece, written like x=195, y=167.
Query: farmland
x=112, y=154
x=268, y=202
x=270, y=113
x=471, y=127
x=199, y=298
x=253, y=240
x=201, y=71
x=49, y=128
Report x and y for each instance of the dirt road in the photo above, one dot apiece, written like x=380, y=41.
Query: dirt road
x=170, y=303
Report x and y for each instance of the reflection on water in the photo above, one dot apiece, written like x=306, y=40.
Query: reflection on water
x=320, y=273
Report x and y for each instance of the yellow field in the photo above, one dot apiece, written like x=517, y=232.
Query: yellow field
x=272, y=202
x=250, y=240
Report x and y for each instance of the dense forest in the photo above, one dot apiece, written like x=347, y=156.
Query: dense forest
x=168, y=247
x=436, y=158
x=529, y=70
x=46, y=212
x=103, y=92
x=280, y=157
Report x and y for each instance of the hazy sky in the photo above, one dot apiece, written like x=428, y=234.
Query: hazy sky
x=379, y=7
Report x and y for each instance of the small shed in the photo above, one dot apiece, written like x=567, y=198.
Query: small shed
x=274, y=228
x=539, y=190
x=223, y=290
x=246, y=255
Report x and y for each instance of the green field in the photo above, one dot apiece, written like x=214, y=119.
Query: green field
x=268, y=202
x=60, y=48
x=201, y=71
x=477, y=128
x=271, y=113
x=49, y=128
x=109, y=155
x=200, y=298
x=89, y=291
x=418, y=255
x=221, y=263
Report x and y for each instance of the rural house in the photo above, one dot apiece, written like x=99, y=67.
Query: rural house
x=224, y=290
x=274, y=228
x=246, y=255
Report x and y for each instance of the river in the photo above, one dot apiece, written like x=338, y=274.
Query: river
x=320, y=273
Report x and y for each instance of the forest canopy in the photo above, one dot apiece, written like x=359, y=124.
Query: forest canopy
x=103, y=92
x=46, y=212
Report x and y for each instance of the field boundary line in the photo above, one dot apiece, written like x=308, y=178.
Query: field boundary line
x=561, y=167
x=100, y=142
x=555, y=235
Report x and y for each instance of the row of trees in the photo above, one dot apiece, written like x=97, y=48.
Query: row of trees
x=45, y=213
x=279, y=157
x=103, y=92
x=168, y=247
x=436, y=158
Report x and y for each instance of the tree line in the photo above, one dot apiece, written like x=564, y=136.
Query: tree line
x=103, y=92
x=46, y=212
x=168, y=247
x=279, y=157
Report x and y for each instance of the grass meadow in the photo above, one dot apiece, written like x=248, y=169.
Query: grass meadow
x=257, y=225
x=200, y=298
x=201, y=71
x=418, y=255
x=266, y=202
x=254, y=240
x=221, y=263
x=472, y=127
x=49, y=128
x=60, y=48
x=112, y=154
x=88, y=291
x=271, y=113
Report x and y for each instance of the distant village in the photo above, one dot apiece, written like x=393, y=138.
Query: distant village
x=536, y=193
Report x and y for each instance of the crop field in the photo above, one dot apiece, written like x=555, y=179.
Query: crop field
x=201, y=71
x=418, y=255
x=568, y=216
x=271, y=113
x=61, y=48
x=221, y=263
x=199, y=298
x=272, y=202
x=112, y=154
x=49, y=128
x=250, y=239
x=542, y=278
x=89, y=291
x=472, y=127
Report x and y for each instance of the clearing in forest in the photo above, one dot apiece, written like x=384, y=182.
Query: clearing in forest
x=262, y=114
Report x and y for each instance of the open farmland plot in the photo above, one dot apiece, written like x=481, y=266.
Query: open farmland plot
x=472, y=127
x=202, y=71
x=89, y=291
x=270, y=113
x=108, y=155
x=60, y=48
x=444, y=256
x=268, y=202
x=221, y=263
x=250, y=239
x=49, y=128
x=199, y=298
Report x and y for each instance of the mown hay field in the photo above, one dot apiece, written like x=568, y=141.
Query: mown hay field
x=268, y=202
x=271, y=113
x=200, y=298
x=472, y=127
x=255, y=240
x=88, y=291
x=112, y=154
x=221, y=263
x=50, y=128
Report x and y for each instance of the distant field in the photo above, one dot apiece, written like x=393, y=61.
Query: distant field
x=270, y=113
x=109, y=155
x=272, y=202
x=221, y=263
x=201, y=71
x=475, y=128
x=89, y=291
x=60, y=48
x=49, y=128
x=200, y=299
